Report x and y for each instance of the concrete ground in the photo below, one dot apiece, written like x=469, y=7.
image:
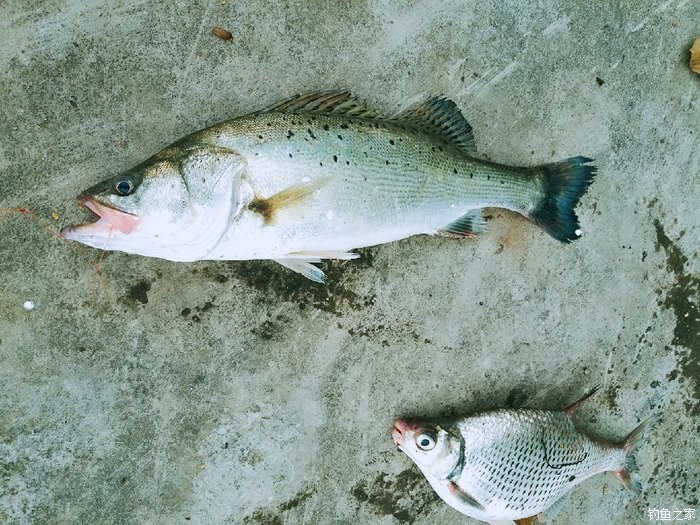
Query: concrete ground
x=156, y=392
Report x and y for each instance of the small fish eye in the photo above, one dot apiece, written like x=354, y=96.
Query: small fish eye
x=425, y=442
x=124, y=187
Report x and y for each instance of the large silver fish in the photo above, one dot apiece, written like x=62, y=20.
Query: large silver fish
x=316, y=176
x=513, y=464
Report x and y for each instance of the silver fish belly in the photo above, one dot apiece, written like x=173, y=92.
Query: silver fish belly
x=513, y=464
x=317, y=176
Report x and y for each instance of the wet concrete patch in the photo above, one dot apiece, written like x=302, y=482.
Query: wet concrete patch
x=405, y=496
x=683, y=299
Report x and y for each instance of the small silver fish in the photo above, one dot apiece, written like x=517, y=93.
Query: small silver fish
x=315, y=177
x=513, y=464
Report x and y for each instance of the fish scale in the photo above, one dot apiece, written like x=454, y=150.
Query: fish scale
x=317, y=176
x=543, y=448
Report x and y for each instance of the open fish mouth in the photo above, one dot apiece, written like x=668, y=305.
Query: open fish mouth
x=109, y=219
x=398, y=431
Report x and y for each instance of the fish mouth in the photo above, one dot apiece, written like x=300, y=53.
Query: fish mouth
x=110, y=219
x=398, y=431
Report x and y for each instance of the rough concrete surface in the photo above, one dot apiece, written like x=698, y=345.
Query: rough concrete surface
x=144, y=391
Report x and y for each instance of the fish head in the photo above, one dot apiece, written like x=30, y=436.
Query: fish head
x=434, y=447
x=176, y=205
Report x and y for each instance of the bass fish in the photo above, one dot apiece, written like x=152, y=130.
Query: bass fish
x=513, y=464
x=315, y=177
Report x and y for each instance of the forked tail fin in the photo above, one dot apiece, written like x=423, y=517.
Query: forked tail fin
x=564, y=184
x=629, y=475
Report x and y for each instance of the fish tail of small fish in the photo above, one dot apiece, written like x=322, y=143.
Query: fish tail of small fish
x=564, y=184
x=629, y=474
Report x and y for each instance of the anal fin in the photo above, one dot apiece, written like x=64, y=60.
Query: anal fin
x=532, y=520
x=468, y=225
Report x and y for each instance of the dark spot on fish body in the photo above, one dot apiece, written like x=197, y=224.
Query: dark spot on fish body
x=260, y=137
x=186, y=312
x=454, y=170
x=571, y=478
x=471, y=175
x=290, y=155
x=326, y=127
x=311, y=133
x=391, y=141
x=340, y=137
x=290, y=133
x=335, y=158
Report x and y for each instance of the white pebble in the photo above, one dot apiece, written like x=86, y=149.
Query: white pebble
x=578, y=232
x=29, y=305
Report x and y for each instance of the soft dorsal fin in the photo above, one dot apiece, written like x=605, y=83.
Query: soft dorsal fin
x=325, y=102
x=441, y=117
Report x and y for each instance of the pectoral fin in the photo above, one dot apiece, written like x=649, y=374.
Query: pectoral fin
x=289, y=197
x=465, y=498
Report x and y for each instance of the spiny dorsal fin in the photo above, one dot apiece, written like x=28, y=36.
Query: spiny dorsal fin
x=438, y=116
x=441, y=117
x=573, y=407
x=325, y=102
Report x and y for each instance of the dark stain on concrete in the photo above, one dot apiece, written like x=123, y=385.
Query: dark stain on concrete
x=198, y=311
x=682, y=299
x=272, y=329
x=404, y=496
x=276, y=284
x=139, y=292
x=267, y=516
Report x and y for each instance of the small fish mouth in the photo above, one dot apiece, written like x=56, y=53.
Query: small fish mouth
x=110, y=219
x=398, y=431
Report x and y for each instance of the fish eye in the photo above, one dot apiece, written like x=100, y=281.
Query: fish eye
x=425, y=442
x=124, y=187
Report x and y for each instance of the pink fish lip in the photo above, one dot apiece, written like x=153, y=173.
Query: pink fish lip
x=398, y=433
x=109, y=217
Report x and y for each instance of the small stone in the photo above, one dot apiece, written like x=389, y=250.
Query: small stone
x=29, y=304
